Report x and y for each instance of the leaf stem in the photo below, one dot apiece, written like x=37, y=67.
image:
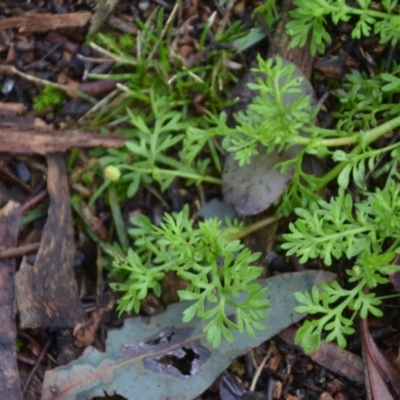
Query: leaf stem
x=371, y=13
x=390, y=296
x=117, y=217
x=369, y=137
x=179, y=174
x=363, y=137
x=252, y=228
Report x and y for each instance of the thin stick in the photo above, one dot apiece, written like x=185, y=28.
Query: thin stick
x=35, y=367
x=33, y=201
x=10, y=69
x=19, y=251
x=258, y=371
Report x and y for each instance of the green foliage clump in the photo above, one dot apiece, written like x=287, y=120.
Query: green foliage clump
x=154, y=104
x=218, y=272
x=147, y=60
x=274, y=123
x=358, y=232
x=361, y=232
x=269, y=119
x=323, y=229
x=146, y=159
x=48, y=97
x=364, y=101
x=309, y=19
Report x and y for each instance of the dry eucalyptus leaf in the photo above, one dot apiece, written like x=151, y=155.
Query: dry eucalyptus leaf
x=383, y=378
x=160, y=357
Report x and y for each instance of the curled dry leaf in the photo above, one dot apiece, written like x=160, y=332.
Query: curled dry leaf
x=331, y=357
x=383, y=378
x=85, y=332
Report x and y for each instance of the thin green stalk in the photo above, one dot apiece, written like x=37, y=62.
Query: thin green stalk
x=253, y=227
x=377, y=132
x=179, y=174
x=352, y=232
x=362, y=137
x=334, y=142
x=371, y=13
x=117, y=217
x=390, y=296
x=214, y=155
x=394, y=245
x=112, y=56
x=98, y=192
x=34, y=214
x=163, y=32
x=368, y=137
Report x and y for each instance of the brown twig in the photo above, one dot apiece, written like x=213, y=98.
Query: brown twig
x=35, y=367
x=33, y=201
x=19, y=251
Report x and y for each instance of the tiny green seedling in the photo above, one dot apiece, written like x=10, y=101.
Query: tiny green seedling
x=48, y=97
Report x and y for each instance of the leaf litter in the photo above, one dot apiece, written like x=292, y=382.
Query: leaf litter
x=148, y=350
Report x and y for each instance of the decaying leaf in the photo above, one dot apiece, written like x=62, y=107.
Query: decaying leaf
x=162, y=358
x=254, y=187
x=333, y=358
x=383, y=378
x=85, y=332
x=217, y=209
x=395, y=276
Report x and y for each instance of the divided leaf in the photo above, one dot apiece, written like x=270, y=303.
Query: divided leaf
x=251, y=180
